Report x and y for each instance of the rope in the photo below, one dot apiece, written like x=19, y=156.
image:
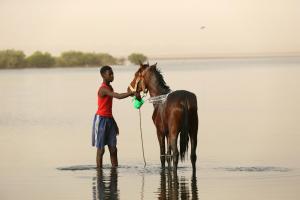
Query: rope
x=159, y=99
x=142, y=137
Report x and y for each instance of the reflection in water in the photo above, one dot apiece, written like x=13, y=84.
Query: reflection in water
x=173, y=188
x=105, y=186
x=143, y=186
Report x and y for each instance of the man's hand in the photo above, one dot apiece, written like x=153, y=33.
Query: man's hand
x=138, y=96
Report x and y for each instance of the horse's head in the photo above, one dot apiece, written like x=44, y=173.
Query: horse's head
x=140, y=80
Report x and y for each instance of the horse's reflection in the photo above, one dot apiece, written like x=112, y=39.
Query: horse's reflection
x=173, y=188
x=105, y=186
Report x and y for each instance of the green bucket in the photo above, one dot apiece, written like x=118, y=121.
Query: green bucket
x=137, y=103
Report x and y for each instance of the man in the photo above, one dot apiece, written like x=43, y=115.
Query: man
x=105, y=128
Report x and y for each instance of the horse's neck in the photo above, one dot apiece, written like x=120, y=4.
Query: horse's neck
x=157, y=91
x=154, y=93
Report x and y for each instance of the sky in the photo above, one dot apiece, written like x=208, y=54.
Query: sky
x=157, y=28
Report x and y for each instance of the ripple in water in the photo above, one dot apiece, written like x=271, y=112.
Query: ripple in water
x=149, y=169
x=254, y=169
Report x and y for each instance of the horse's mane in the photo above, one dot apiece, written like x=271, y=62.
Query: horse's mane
x=160, y=79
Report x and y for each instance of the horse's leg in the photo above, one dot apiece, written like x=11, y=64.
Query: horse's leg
x=163, y=152
x=193, y=138
x=169, y=158
x=161, y=140
x=193, y=150
x=173, y=141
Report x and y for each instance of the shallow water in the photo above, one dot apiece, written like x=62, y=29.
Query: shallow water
x=248, y=145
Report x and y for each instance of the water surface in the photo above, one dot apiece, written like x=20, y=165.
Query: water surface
x=248, y=144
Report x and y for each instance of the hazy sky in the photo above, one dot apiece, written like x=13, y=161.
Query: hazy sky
x=155, y=28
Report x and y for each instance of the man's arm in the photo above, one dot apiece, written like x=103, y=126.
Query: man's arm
x=104, y=91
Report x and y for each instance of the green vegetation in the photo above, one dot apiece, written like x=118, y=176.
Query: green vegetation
x=13, y=59
x=137, y=58
x=77, y=58
x=39, y=59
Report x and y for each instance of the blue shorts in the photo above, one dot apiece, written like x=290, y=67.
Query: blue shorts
x=104, y=132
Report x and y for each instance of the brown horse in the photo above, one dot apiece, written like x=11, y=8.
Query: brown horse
x=176, y=113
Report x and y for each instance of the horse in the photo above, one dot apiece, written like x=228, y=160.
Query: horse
x=177, y=113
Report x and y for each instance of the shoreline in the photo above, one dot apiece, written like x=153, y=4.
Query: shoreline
x=172, y=58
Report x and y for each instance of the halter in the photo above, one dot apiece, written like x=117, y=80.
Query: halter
x=133, y=89
x=139, y=79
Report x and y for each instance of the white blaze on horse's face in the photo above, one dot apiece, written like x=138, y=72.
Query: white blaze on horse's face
x=137, y=84
x=133, y=86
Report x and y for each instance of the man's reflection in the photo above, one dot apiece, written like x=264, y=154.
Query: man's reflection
x=105, y=186
x=173, y=188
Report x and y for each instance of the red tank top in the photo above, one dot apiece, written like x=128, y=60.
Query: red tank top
x=105, y=103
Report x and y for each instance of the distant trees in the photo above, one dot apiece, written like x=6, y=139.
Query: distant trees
x=107, y=59
x=10, y=59
x=70, y=58
x=77, y=58
x=136, y=58
x=39, y=59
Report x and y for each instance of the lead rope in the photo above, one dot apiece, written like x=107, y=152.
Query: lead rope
x=142, y=137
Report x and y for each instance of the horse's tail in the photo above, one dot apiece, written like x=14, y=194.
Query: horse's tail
x=184, y=134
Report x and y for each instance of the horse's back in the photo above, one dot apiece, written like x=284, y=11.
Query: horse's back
x=183, y=97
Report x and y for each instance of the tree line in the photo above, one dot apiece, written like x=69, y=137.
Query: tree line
x=16, y=59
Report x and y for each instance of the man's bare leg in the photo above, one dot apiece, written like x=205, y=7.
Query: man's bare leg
x=113, y=156
x=99, y=157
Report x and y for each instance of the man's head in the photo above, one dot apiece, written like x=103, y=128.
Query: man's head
x=107, y=73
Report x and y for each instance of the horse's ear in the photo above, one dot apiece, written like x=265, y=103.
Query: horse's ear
x=154, y=66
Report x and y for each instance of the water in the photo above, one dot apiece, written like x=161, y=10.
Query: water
x=248, y=144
